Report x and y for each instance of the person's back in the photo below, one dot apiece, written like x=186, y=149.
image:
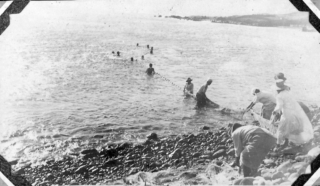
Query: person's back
x=265, y=98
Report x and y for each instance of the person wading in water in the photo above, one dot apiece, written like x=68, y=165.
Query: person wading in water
x=150, y=71
x=202, y=99
x=188, y=88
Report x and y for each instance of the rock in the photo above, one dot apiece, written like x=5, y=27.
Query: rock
x=231, y=152
x=133, y=170
x=287, y=183
x=267, y=174
x=176, y=154
x=187, y=175
x=268, y=161
x=205, y=128
x=219, y=153
x=88, y=156
x=314, y=152
x=316, y=128
x=293, y=177
x=13, y=162
x=123, y=146
x=284, y=166
x=308, y=170
x=73, y=182
x=244, y=181
x=213, y=169
x=276, y=181
x=20, y=171
x=259, y=181
x=277, y=175
x=81, y=169
x=196, y=155
x=109, y=153
x=152, y=136
x=89, y=151
x=98, y=136
x=49, y=177
x=110, y=163
x=45, y=183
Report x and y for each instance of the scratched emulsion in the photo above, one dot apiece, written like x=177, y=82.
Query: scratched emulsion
x=60, y=82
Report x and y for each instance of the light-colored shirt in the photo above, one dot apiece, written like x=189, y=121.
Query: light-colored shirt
x=203, y=89
x=189, y=88
x=265, y=98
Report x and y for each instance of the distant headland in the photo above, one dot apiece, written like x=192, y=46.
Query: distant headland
x=296, y=19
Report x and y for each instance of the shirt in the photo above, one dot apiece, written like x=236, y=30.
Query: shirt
x=189, y=87
x=265, y=98
x=246, y=135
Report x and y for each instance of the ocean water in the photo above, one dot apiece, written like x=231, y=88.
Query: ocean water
x=60, y=82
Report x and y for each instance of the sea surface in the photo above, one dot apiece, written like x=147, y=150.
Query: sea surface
x=61, y=87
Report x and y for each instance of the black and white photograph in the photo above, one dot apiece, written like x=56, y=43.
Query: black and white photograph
x=159, y=92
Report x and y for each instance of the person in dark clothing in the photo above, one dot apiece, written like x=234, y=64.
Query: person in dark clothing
x=150, y=71
x=201, y=95
x=251, y=144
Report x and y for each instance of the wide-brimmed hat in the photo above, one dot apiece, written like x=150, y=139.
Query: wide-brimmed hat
x=279, y=77
x=189, y=79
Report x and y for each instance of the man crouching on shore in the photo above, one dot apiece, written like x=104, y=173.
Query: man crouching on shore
x=251, y=144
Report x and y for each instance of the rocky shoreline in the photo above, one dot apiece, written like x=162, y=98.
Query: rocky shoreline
x=181, y=154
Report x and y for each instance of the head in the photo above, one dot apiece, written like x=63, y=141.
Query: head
x=255, y=91
x=279, y=77
x=209, y=81
x=189, y=80
x=233, y=128
x=150, y=65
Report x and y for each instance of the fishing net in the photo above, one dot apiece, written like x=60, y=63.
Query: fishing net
x=267, y=124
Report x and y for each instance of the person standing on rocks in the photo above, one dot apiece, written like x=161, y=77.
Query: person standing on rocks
x=188, y=88
x=150, y=71
x=267, y=99
x=294, y=124
x=251, y=144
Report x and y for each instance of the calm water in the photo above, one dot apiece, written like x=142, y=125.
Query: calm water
x=60, y=82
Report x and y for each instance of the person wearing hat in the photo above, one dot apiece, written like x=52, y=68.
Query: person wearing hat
x=188, y=88
x=201, y=95
x=294, y=124
x=251, y=144
x=279, y=77
x=267, y=99
x=150, y=71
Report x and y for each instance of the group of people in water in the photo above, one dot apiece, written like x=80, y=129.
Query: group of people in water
x=252, y=143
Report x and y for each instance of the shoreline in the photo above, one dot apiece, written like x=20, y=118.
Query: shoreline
x=181, y=157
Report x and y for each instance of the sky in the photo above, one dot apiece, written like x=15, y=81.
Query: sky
x=158, y=7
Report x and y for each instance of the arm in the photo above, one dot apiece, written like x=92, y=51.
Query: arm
x=238, y=148
x=279, y=106
x=237, y=142
x=191, y=89
x=250, y=106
